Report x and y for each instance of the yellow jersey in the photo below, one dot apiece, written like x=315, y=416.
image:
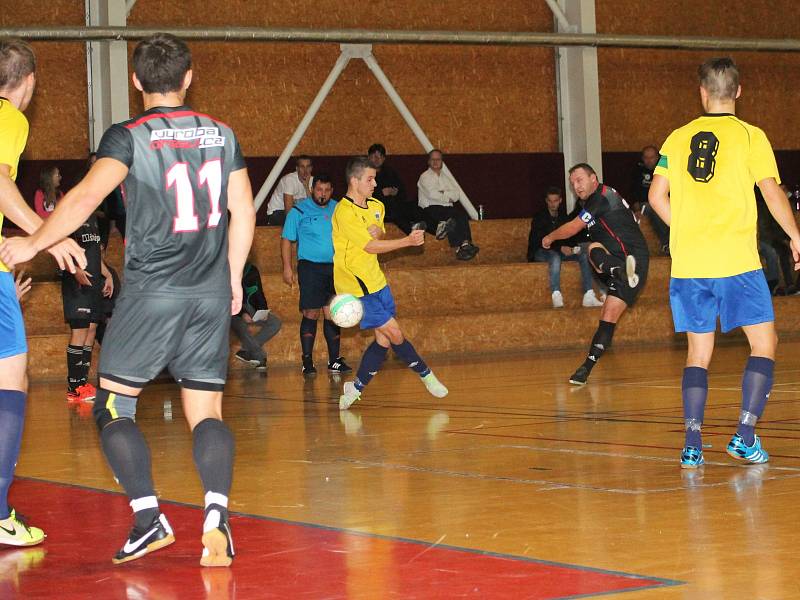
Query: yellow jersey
x=356, y=271
x=712, y=164
x=13, y=137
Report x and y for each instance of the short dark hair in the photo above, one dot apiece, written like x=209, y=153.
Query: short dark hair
x=303, y=157
x=356, y=166
x=17, y=61
x=161, y=63
x=377, y=148
x=720, y=78
x=649, y=147
x=585, y=166
x=553, y=191
x=322, y=178
x=432, y=150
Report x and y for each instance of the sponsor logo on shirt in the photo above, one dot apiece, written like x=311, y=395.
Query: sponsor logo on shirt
x=90, y=238
x=193, y=137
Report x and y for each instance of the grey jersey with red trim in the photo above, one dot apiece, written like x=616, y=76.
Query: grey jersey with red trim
x=176, y=199
x=610, y=222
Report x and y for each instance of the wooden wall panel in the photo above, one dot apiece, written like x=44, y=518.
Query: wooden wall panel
x=645, y=94
x=58, y=112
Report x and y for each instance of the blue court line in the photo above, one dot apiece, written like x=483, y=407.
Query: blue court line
x=661, y=582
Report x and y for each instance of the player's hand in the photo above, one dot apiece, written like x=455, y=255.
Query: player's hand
x=795, y=246
x=68, y=254
x=566, y=250
x=236, y=295
x=375, y=231
x=21, y=285
x=416, y=237
x=547, y=241
x=82, y=277
x=108, y=287
x=289, y=278
x=16, y=250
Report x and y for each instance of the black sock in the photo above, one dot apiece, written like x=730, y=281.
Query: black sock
x=308, y=333
x=86, y=364
x=332, y=338
x=74, y=367
x=213, y=449
x=600, y=343
x=129, y=457
x=607, y=263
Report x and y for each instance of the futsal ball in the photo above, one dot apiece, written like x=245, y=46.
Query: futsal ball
x=346, y=310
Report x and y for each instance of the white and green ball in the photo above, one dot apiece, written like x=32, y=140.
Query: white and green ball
x=346, y=310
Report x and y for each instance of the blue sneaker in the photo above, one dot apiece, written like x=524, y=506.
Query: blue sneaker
x=753, y=454
x=691, y=458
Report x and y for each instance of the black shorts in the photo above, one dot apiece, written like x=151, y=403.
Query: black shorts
x=621, y=289
x=81, y=303
x=148, y=333
x=316, y=284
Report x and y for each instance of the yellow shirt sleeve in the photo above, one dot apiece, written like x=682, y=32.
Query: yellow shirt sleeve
x=761, y=161
x=13, y=137
x=347, y=224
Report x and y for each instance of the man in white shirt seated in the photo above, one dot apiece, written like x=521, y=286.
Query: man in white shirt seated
x=291, y=188
x=437, y=194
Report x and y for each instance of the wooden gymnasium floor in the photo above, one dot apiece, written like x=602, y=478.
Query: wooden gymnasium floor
x=514, y=486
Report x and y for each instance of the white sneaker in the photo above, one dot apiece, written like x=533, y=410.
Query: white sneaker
x=434, y=386
x=558, y=300
x=350, y=395
x=630, y=271
x=590, y=300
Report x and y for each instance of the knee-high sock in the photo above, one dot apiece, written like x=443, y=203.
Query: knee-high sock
x=600, y=343
x=86, y=363
x=695, y=391
x=74, y=367
x=756, y=385
x=371, y=363
x=308, y=333
x=129, y=457
x=332, y=338
x=12, y=419
x=213, y=450
x=409, y=355
x=605, y=262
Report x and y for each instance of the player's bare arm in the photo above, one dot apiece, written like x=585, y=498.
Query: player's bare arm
x=80, y=202
x=241, y=229
x=415, y=238
x=658, y=196
x=567, y=230
x=782, y=212
x=289, y=278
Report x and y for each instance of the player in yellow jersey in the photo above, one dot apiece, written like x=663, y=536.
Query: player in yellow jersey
x=17, y=82
x=357, y=240
x=703, y=189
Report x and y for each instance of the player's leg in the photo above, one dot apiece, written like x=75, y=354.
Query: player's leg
x=87, y=389
x=408, y=354
x=333, y=338
x=213, y=449
x=694, y=392
x=606, y=263
x=612, y=310
x=79, y=329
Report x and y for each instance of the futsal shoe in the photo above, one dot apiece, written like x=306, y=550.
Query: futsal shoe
x=145, y=540
x=580, y=376
x=15, y=531
x=217, y=541
x=752, y=454
x=350, y=395
x=630, y=271
x=434, y=386
x=84, y=393
x=691, y=458
x=339, y=366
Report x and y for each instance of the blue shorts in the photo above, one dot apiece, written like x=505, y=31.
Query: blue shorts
x=378, y=308
x=737, y=301
x=12, y=328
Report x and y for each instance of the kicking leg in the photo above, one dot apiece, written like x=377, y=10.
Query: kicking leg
x=608, y=264
x=403, y=348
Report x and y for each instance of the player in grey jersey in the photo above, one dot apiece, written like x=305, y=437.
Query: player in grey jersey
x=182, y=173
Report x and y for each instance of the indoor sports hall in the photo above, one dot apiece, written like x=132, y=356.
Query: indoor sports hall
x=517, y=484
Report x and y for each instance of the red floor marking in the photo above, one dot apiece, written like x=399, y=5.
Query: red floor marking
x=276, y=559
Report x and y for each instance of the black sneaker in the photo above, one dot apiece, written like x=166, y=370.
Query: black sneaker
x=246, y=358
x=262, y=365
x=308, y=366
x=339, y=366
x=466, y=252
x=143, y=541
x=445, y=227
x=580, y=376
x=217, y=543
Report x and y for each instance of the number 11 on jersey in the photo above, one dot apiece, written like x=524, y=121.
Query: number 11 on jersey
x=209, y=176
